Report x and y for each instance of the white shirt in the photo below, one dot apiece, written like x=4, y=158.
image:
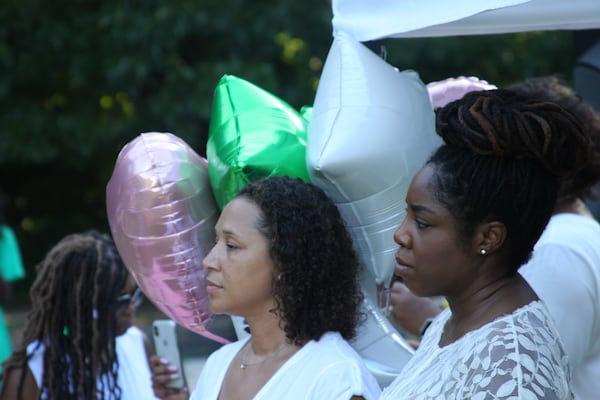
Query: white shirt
x=134, y=376
x=329, y=369
x=565, y=273
x=516, y=356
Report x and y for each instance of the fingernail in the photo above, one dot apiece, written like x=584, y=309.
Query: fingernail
x=174, y=376
x=172, y=368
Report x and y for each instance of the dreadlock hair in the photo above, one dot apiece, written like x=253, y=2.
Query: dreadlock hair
x=316, y=286
x=502, y=160
x=73, y=318
x=553, y=89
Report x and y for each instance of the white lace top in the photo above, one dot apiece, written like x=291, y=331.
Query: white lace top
x=517, y=356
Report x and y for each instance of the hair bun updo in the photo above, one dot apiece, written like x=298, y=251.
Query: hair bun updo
x=503, y=123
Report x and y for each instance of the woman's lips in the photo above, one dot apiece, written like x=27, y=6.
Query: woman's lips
x=212, y=287
x=402, y=268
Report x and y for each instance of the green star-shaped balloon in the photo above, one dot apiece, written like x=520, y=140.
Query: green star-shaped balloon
x=253, y=134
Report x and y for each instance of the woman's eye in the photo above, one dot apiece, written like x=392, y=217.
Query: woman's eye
x=421, y=224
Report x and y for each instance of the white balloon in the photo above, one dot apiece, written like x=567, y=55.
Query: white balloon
x=372, y=129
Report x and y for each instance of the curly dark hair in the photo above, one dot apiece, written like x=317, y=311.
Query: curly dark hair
x=503, y=159
x=73, y=317
x=316, y=285
x=552, y=88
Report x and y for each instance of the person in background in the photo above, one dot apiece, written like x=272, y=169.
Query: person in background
x=11, y=269
x=564, y=270
x=79, y=341
x=282, y=260
x=474, y=214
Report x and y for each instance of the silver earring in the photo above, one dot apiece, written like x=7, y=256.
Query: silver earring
x=482, y=251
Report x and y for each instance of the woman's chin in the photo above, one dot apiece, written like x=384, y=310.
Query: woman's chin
x=122, y=329
x=214, y=308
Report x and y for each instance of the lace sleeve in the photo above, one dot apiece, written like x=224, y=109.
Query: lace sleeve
x=521, y=360
x=517, y=356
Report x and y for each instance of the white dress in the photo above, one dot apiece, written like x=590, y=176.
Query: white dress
x=329, y=369
x=134, y=376
x=517, y=356
x=565, y=273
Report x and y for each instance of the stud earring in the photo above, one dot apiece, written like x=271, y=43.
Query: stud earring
x=482, y=251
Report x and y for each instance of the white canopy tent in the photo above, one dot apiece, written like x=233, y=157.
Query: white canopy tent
x=368, y=20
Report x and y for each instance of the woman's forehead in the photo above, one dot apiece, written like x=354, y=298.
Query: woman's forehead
x=239, y=216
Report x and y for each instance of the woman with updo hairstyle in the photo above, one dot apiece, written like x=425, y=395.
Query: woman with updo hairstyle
x=474, y=213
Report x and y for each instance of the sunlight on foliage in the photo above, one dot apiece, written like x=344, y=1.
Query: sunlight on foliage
x=106, y=102
x=57, y=100
x=125, y=102
x=291, y=46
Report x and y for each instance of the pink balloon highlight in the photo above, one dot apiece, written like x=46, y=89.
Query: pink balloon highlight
x=448, y=90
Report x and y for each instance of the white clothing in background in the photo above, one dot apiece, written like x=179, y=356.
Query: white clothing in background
x=134, y=376
x=565, y=273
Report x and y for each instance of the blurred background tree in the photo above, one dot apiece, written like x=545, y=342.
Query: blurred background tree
x=79, y=79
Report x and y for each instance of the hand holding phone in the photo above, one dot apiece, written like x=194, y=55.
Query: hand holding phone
x=165, y=344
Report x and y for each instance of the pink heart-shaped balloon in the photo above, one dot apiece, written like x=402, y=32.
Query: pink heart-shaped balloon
x=162, y=214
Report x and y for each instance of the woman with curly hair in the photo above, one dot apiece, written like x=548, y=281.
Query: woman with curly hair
x=284, y=261
x=83, y=298
x=474, y=214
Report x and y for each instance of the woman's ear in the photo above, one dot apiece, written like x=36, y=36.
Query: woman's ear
x=489, y=236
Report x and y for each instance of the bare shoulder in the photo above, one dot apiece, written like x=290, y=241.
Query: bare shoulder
x=11, y=385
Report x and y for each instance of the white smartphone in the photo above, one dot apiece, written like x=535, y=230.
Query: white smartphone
x=164, y=335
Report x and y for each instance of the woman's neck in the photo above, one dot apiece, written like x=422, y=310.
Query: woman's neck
x=267, y=334
x=498, y=298
x=576, y=206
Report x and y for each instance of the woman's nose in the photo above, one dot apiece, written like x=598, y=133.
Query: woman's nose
x=210, y=261
x=400, y=235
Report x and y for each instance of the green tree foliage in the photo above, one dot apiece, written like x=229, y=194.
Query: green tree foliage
x=499, y=59
x=79, y=79
x=79, y=75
